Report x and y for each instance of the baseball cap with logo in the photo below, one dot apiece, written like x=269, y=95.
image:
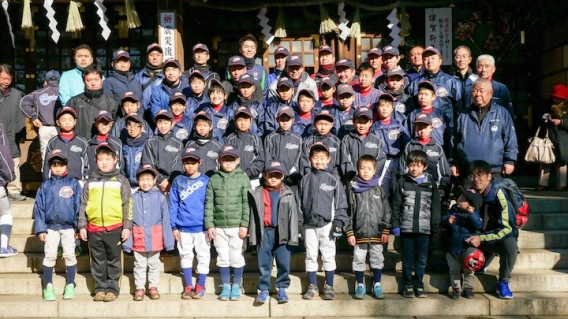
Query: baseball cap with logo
x=325, y=49
x=307, y=92
x=319, y=146
x=154, y=46
x=324, y=114
x=423, y=118
x=430, y=51
x=103, y=114
x=246, y=78
x=294, y=60
x=281, y=51
x=275, y=166
x=202, y=115
x=243, y=110
x=237, y=60
x=286, y=81
x=363, y=111
x=103, y=145
x=129, y=96
x=390, y=50
x=200, y=46
x=178, y=96
x=428, y=85
x=345, y=89
x=196, y=73
x=229, y=150
x=146, y=168
x=396, y=71
x=345, y=63
x=328, y=81
x=134, y=117
x=120, y=54
x=285, y=110
x=386, y=96
x=375, y=51
x=52, y=76
x=164, y=114
x=172, y=62
x=65, y=110
x=190, y=153
x=56, y=154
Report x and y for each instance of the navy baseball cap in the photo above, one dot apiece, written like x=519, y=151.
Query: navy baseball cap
x=275, y=166
x=324, y=114
x=146, y=168
x=196, y=73
x=56, y=153
x=286, y=81
x=120, y=54
x=103, y=145
x=281, y=51
x=307, y=92
x=396, y=71
x=319, y=146
x=164, y=114
x=229, y=150
x=327, y=80
x=178, y=96
x=285, y=110
x=344, y=89
x=363, y=111
x=237, y=60
x=129, y=96
x=325, y=49
x=52, y=76
x=154, y=46
x=246, y=78
x=172, y=62
x=294, y=60
x=103, y=114
x=386, y=96
x=200, y=46
x=65, y=110
x=375, y=51
x=428, y=85
x=423, y=118
x=243, y=110
x=202, y=115
x=345, y=62
x=190, y=153
x=390, y=50
x=134, y=117
x=430, y=50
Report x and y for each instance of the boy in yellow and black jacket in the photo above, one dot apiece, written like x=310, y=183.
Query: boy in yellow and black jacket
x=105, y=221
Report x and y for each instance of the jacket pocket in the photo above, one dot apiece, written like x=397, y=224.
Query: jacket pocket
x=157, y=238
x=138, y=238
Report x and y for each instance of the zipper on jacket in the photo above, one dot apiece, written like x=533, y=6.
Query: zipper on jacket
x=102, y=206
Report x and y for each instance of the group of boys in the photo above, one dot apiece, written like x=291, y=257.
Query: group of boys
x=274, y=173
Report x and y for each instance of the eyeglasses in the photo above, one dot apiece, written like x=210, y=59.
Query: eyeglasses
x=479, y=176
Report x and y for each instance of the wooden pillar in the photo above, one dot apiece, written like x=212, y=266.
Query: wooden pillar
x=177, y=18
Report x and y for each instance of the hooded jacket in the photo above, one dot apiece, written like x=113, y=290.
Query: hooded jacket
x=187, y=203
x=119, y=83
x=287, y=217
x=226, y=201
x=106, y=202
x=57, y=204
x=164, y=153
x=151, y=229
x=464, y=226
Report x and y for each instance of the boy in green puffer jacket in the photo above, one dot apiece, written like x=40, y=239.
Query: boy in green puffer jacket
x=227, y=219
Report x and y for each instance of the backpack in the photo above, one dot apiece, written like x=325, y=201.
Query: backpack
x=518, y=199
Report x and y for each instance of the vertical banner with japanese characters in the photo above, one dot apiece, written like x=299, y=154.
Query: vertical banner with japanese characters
x=439, y=32
x=167, y=31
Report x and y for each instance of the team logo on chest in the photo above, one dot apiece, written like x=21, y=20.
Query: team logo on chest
x=66, y=192
x=182, y=134
x=222, y=124
x=436, y=122
x=393, y=134
x=441, y=91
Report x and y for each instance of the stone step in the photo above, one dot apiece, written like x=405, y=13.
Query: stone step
x=344, y=283
x=171, y=306
x=528, y=259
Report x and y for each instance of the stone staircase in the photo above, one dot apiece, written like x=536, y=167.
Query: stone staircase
x=540, y=281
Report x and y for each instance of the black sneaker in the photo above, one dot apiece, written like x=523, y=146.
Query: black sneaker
x=455, y=293
x=420, y=293
x=328, y=293
x=408, y=292
x=468, y=293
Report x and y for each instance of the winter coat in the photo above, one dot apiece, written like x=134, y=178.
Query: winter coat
x=164, y=153
x=222, y=121
x=305, y=82
x=87, y=105
x=187, y=203
x=416, y=207
x=42, y=104
x=271, y=112
x=119, y=129
x=132, y=151
x=498, y=215
x=287, y=217
x=369, y=215
x=285, y=147
x=116, y=146
x=12, y=119
x=438, y=166
x=160, y=97
x=57, y=204
x=118, y=83
x=502, y=96
x=333, y=144
x=441, y=133
x=353, y=147
x=464, y=226
x=368, y=98
x=208, y=150
x=394, y=137
x=251, y=152
x=143, y=77
x=76, y=152
x=6, y=166
x=226, y=201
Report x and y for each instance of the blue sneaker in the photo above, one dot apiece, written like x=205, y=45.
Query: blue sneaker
x=225, y=292
x=8, y=252
x=360, y=291
x=235, y=292
x=262, y=297
x=282, y=296
x=378, y=292
x=503, y=291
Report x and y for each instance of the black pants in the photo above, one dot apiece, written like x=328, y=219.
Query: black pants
x=106, y=260
x=507, y=251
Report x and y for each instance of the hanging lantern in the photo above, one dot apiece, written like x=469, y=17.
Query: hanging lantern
x=327, y=25
x=74, y=23
x=280, y=28
x=132, y=15
x=27, y=22
x=356, y=26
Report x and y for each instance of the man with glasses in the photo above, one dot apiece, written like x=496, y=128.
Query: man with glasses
x=484, y=131
x=499, y=234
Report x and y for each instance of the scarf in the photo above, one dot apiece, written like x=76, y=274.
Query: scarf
x=326, y=69
x=277, y=71
x=125, y=73
x=201, y=140
x=249, y=62
x=94, y=94
x=245, y=102
x=135, y=142
x=170, y=84
x=360, y=186
x=153, y=68
x=395, y=93
x=201, y=68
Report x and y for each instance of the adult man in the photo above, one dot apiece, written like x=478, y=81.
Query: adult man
x=14, y=127
x=88, y=104
x=390, y=58
x=326, y=67
x=448, y=89
x=40, y=107
x=499, y=234
x=200, y=59
x=300, y=78
x=462, y=59
x=247, y=48
x=346, y=73
x=485, y=69
x=151, y=76
x=484, y=131
x=280, y=55
x=375, y=60
x=172, y=82
x=121, y=79
x=415, y=58
x=236, y=68
x=71, y=82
